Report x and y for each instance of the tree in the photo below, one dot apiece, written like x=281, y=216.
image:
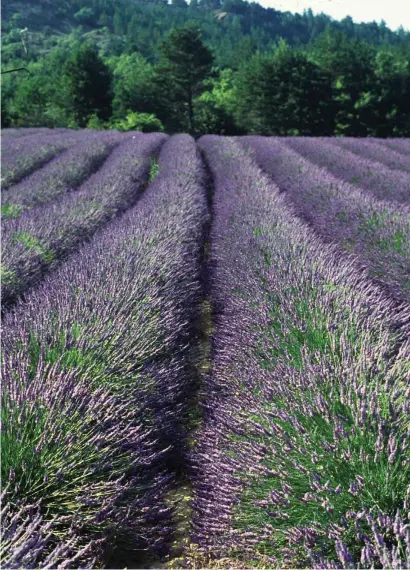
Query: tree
x=284, y=94
x=88, y=80
x=85, y=16
x=186, y=63
x=351, y=65
x=389, y=100
x=133, y=87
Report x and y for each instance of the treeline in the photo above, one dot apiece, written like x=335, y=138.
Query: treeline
x=337, y=83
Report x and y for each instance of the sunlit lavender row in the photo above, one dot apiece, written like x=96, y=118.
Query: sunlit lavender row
x=22, y=156
x=377, y=232
x=303, y=458
x=374, y=177
x=39, y=238
x=99, y=366
x=62, y=174
x=223, y=325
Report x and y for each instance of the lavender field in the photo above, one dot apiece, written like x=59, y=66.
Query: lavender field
x=205, y=351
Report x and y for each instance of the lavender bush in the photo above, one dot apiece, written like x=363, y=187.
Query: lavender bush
x=14, y=133
x=26, y=541
x=63, y=447
x=22, y=156
x=376, y=151
x=377, y=232
x=62, y=174
x=38, y=239
x=303, y=456
x=117, y=320
x=381, y=181
x=401, y=145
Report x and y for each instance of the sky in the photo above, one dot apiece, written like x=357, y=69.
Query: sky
x=394, y=12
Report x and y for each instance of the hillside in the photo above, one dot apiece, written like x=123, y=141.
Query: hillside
x=209, y=67
x=134, y=24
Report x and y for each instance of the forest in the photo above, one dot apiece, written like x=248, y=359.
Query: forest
x=226, y=67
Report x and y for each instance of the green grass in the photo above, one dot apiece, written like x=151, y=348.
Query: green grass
x=7, y=276
x=372, y=225
x=308, y=328
x=37, y=457
x=63, y=351
x=32, y=243
x=11, y=210
x=336, y=463
x=154, y=169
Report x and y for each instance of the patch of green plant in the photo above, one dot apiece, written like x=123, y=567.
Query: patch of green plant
x=144, y=122
x=154, y=169
x=287, y=341
x=10, y=210
x=397, y=241
x=314, y=454
x=97, y=363
x=7, y=276
x=371, y=225
x=31, y=242
x=62, y=350
x=310, y=328
x=349, y=244
x=342, y=216
x=35, y=457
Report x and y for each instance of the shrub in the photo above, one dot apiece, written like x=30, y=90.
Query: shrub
x=144, y=122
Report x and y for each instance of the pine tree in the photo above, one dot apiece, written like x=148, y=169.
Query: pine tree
x=88, y=81
x=186, y=63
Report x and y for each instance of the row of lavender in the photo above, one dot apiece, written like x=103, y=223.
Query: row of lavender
x=38, y=239
x=20, y=156
x=303, y=458
x=13, y=133
x=376, y=231
x=381, y=171
x=61, y=175
x=98, y=367
x=375, y=150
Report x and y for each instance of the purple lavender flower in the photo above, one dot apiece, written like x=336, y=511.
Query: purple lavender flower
x=298, y=332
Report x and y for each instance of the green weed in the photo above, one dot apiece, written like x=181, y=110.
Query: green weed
x=154, y=169
x=11, y=210
x=31, y=242
x=314, y=453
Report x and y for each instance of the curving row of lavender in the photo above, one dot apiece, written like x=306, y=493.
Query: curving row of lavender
x=13, y=133
x=376, y=151
x=374, y=177
x=38, y=239
x=22, y=156
x=398, y=144
x=376, y=231
x=98, y=368
x=61, y=175
x=303, y=457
